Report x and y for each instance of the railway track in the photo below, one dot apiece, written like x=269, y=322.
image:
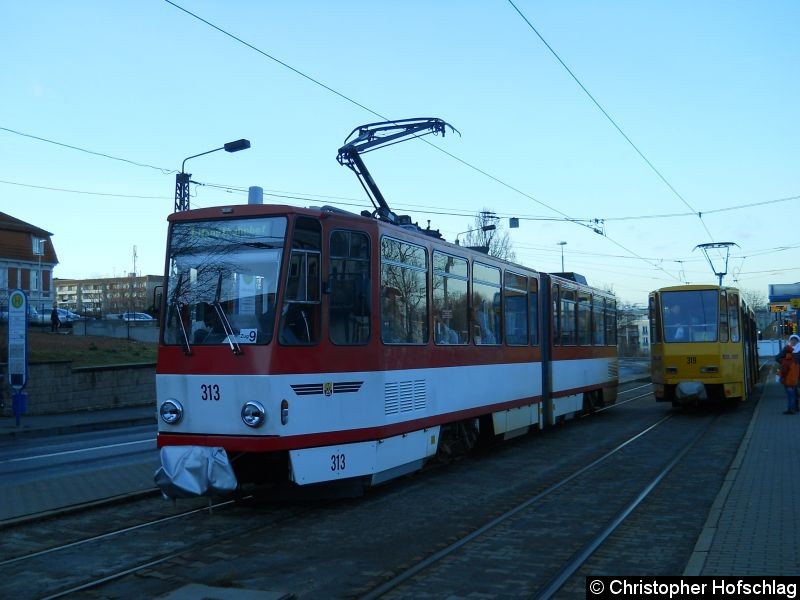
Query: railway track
x=403, y=540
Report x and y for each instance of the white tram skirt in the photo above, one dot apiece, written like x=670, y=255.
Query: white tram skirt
x=381, y=459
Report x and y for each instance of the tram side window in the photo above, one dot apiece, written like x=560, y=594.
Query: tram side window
x=533, y=306
x=584, y=319
x=486, y=308
x=568, y=314
x=556, y=323
x=450, y=298
x=733, y=312
x=723, y=316
x=655, y=319
x=404, y=293
x=349, y=285
x=598, y=321
x=611, y=322
x=299, y=323
x=516, y=309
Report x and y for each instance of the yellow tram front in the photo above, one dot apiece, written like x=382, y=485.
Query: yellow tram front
x=702, y=344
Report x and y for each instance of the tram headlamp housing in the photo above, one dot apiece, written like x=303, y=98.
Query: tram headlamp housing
x=171, y=412
x=253, y=414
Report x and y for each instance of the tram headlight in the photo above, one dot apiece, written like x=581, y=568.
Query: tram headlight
x=253, y=414
x=171, y=412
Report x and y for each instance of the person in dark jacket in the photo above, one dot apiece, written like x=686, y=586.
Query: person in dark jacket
x=55, y=321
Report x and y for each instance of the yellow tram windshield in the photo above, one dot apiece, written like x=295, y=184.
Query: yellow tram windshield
x=690, y=316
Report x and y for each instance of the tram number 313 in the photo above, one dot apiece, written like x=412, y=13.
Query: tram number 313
x=338, y=462
x=210, y=392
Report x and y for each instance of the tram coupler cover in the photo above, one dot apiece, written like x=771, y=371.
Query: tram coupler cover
x=690, y=390
x=191, y=471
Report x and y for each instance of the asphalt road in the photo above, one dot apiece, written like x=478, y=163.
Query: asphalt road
x=49, y=473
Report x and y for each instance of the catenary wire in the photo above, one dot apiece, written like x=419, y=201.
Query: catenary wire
x=55, y=189
x=566, y=217
x=612, y=121
x=305, y=197
x=125, y=160
x=373, y=112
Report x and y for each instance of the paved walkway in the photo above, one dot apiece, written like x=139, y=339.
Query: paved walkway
x=754, y=525
x=752, y=529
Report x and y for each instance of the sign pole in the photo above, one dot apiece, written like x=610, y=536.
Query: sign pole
x=18, y=350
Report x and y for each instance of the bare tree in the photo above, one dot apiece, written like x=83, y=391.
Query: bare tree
x=487, y=232
x=754, y=298
x=759, y=303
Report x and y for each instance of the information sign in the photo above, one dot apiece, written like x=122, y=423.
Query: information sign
x=17, y=339
x=777, y=308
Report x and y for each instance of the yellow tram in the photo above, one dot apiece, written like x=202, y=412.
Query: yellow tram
x=703, y=344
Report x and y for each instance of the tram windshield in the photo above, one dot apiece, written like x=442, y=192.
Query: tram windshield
x=690, y=315
x=222, y=281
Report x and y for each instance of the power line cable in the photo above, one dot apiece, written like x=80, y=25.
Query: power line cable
x=277, y=60
x=125, y=160
x=440, y=210
x=611, y=120
x=55, y=189
x=369, y=110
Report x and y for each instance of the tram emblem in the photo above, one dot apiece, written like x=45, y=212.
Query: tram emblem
x=328, y=388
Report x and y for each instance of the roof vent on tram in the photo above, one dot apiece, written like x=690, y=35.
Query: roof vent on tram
x=255, y=195
x=405, y=222
x=577, y=277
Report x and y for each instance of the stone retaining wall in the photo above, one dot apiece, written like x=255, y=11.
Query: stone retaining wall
x=56, y=387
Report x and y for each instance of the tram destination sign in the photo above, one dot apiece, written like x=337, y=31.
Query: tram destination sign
x=778, y=307
x=17, y=339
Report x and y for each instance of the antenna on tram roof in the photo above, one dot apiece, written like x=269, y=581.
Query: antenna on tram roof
x=712, y=245
x=373, y=135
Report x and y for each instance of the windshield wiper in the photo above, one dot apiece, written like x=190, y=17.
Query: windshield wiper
x=176, y=305
x=223, y=318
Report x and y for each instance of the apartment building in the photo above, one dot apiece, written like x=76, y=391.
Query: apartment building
x=111, y=295
x=27, y=259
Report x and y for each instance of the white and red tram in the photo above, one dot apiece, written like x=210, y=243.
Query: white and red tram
x=315, y=345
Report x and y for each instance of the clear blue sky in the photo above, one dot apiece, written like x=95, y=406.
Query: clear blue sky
x=707, y=91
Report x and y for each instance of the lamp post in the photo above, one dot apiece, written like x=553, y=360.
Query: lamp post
x=484, y=228
x=562, y=244
x=182, y=179
x=40, y=251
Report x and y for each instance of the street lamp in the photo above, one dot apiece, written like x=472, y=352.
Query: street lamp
x=484, y=228
x=182, y=179
x=562, y=244
x=39, y=251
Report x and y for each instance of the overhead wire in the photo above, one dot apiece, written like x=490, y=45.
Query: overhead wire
x=352, y=101
x=371, y=111
x=611, y=120
x=567, y=218
x=55, y=189
x=442, y=211
x=71, y=147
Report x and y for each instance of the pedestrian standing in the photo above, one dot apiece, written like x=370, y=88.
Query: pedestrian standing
x=55, y=321
x=789, y=373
